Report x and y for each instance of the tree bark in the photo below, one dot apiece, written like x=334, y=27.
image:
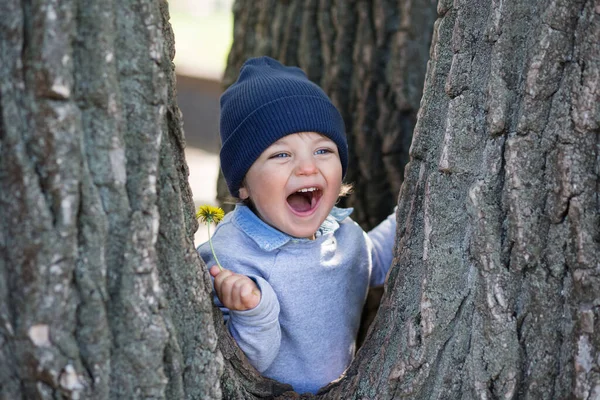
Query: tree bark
x=495, y=292
x=370, y=58
x=102, y=294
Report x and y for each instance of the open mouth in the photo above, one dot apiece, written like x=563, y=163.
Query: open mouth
x=305, y=199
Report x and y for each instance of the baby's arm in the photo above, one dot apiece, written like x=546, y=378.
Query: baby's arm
x=253, y=315
x=383, y=237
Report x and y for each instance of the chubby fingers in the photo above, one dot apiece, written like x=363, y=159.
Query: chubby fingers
x=236, y=292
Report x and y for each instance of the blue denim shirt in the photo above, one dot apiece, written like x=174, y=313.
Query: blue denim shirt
x=304, y=329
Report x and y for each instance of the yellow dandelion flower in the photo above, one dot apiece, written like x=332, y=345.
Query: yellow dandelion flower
x=209, y=214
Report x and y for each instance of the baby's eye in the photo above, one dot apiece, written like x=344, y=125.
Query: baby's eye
x=280, y=155
x=323, y=151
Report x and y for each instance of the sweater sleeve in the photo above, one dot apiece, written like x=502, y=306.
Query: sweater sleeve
x=257, y=330
x=382, y=237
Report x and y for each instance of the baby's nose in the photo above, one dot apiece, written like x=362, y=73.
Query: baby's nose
x=306, y=166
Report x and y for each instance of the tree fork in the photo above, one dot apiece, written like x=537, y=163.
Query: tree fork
x=494, y=291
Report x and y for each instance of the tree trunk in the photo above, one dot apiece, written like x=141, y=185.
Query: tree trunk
x=370, y=58
x=495, y=291
x=102, y=294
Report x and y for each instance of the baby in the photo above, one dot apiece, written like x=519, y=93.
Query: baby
x=297, y=268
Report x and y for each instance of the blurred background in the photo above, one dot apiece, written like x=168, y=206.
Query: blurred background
x=199, y=64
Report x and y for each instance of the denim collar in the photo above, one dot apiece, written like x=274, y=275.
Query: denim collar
x=269, y=238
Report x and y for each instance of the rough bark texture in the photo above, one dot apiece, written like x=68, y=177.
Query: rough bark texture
x=101, y=290
x=496, y=288
x=370, y=57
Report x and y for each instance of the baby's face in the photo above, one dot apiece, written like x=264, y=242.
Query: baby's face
x=295, y=183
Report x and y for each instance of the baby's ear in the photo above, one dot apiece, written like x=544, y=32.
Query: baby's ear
x=244, y=193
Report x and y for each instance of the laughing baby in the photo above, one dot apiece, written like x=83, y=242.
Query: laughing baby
x=297, y=268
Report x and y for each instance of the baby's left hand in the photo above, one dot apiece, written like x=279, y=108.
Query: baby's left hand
x=236, y=291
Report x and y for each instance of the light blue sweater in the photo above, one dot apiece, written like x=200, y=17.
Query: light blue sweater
x=304, y=329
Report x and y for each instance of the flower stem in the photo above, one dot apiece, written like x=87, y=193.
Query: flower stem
x=212, y=248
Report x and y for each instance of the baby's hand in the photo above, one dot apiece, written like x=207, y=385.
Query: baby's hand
x=236, y=292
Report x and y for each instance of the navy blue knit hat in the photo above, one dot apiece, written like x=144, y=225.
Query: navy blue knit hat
x=267, y=102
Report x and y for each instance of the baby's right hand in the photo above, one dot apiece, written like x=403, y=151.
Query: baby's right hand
x=236, y=291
